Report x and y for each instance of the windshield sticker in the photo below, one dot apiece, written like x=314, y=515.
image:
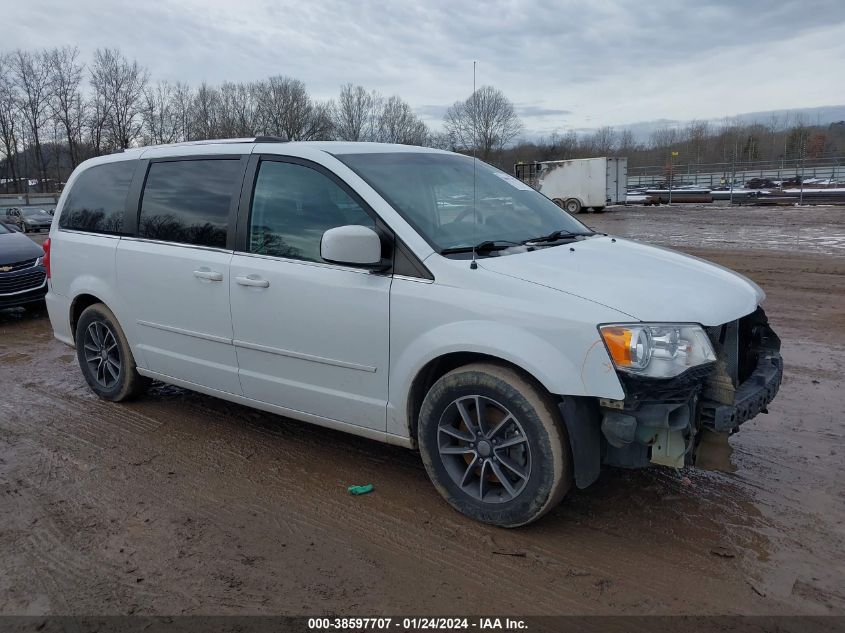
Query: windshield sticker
x=513, y=182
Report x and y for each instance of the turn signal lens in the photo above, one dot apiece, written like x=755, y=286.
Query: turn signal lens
x=618, y=341
x=629, y=346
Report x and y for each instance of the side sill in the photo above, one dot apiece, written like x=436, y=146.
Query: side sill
x=379, y=436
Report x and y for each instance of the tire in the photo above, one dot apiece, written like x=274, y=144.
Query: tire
x=117, y=378
x=559, y=202
x=572, y=205
x=471, y=480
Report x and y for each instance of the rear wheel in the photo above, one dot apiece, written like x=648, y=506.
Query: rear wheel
x=572, y=205
x=104, y=356
x=494, y=445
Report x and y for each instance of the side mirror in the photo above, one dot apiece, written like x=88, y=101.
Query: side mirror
x=352, y=245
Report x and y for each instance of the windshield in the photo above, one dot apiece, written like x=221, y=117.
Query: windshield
x=434, y=193
x=30, y=213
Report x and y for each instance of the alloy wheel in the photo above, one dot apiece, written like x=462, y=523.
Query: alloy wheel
x=102, y=354
x=484, y=449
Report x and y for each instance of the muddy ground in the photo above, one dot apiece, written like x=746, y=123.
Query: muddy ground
x=182, y=504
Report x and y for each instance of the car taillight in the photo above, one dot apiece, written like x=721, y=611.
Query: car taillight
x=46, y=246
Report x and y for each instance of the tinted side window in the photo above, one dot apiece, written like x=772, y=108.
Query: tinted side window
x=97, y=200
x=292, y=206
x=188, y=201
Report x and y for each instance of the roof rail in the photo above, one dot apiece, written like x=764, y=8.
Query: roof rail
x=270, y=139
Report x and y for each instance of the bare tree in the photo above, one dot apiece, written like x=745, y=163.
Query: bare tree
x=697, y=133
x=397, y=123
x=486, y=121
x=159, y=117
x=602, y=142
x=32, y=76
x=9, y=114
x=237, y=110
x=120, y=83
x=98, y=112
x=181, y=104
x=205, y=113
x=626, y=143
x=355, y=115
x=66, y=102
x=286, y=110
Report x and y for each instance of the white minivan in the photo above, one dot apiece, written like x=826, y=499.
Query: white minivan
x=409, y=295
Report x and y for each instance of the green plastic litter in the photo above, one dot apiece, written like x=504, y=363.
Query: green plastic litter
x=360, y=490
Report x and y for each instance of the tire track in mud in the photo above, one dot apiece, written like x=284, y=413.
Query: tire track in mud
x=385, y=528
x=387, y=536
x=393, y=536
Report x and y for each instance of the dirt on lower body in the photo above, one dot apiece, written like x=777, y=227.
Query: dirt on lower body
x=179, y=503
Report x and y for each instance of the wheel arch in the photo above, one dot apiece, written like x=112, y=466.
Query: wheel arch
x=77, y=307
x=438, y=367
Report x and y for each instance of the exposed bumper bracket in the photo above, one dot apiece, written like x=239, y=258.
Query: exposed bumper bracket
x=751, y=398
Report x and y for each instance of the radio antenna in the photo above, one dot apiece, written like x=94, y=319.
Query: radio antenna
x=474, y=102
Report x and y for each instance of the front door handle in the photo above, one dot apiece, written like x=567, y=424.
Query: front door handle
x=208, y=274
x=253, y=281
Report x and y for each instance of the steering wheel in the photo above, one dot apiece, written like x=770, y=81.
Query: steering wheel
x=463, y=215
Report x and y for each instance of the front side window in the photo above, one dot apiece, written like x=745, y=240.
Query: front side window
x=188, y=201
x=435, y=193
x=292, y=206
x=97, y=199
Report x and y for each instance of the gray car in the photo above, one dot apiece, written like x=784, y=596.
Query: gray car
x=29, y=218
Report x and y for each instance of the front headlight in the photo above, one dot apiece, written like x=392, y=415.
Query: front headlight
x=656, y=350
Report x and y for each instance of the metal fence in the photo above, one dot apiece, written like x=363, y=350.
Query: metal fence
x=717, y=174
x=45, y=200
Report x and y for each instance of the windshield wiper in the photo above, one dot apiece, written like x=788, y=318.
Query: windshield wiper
x=483, y=247
x=554, y=236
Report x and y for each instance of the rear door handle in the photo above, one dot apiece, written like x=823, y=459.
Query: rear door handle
x=208, y=274
x=253, y=281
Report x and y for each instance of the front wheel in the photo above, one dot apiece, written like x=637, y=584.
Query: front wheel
x=494, y=445
x=104, y=356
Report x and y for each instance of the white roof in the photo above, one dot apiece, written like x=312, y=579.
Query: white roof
x=300, y=148
x=332, y=147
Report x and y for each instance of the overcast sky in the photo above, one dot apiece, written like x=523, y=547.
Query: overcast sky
x=564, y=64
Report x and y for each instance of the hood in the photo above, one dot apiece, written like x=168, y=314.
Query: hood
x=648, y=283
x=17, y=247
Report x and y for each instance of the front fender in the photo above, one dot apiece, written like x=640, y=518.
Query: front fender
x=577, y=366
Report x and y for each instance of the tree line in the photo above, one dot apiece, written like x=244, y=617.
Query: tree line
x=56, y=110
x=783, y=138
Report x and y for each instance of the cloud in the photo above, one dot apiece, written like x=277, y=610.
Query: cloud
x=530, y=111
x=565, y=64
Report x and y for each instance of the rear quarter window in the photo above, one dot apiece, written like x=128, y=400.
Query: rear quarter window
x=97, y=200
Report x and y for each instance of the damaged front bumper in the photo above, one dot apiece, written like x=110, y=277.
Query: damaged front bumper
x=661, y=421
x=752, y=396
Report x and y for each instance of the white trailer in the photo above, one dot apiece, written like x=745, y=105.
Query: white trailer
x=578, y=184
